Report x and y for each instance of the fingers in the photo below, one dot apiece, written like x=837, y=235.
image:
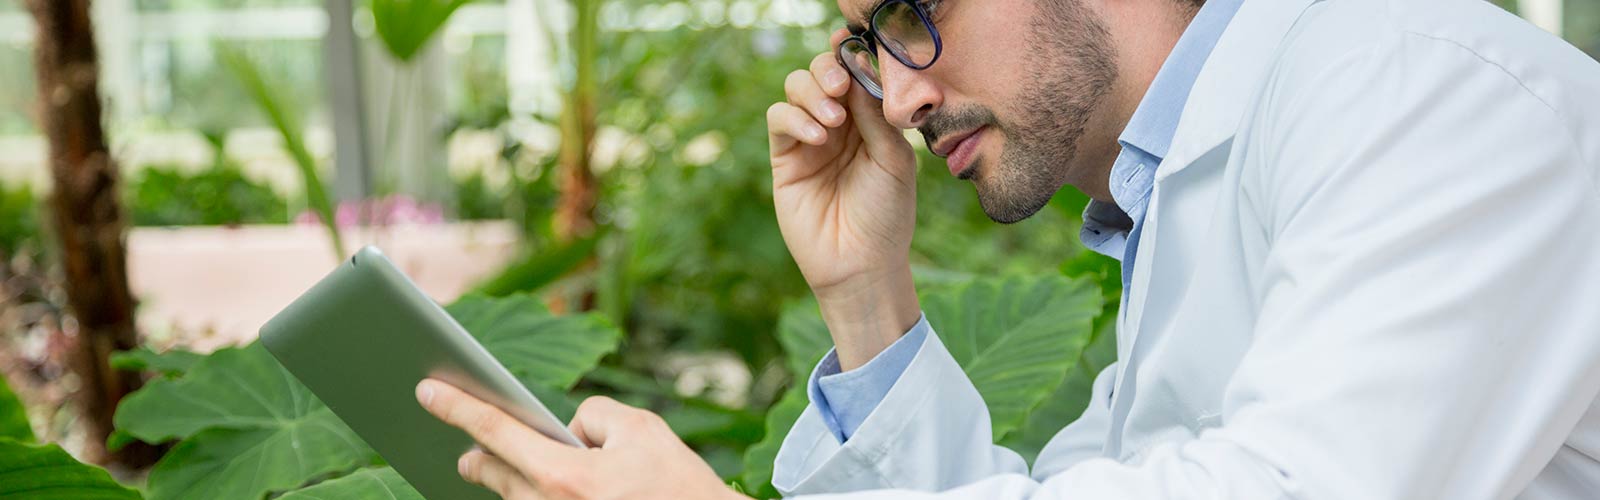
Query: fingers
x=788, y=124
x=838, y=36
x=502, y=434
x=601, y=420
x=813, y=104
x=831, y=77
x=867, y=110
x=489, y=471
x=869, y=119
x=805, y=90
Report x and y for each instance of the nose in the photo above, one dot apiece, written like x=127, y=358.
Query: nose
x=909, y=95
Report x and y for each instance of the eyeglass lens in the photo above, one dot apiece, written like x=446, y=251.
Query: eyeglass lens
x=902, y=33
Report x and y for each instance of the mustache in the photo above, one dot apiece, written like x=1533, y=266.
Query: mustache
x=955, y=120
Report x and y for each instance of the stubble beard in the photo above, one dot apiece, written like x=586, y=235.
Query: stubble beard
x=1073, y=71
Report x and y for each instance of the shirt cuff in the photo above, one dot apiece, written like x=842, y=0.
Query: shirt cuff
x=845, y=399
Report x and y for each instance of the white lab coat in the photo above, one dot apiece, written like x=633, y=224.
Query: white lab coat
x=1370, y=271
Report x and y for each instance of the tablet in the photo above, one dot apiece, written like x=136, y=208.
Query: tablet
x=363, y=337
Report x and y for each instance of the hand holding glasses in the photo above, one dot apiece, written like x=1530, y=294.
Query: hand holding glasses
x=904, y=29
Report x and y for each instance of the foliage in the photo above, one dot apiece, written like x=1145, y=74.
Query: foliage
x=13, y=417
x=19, y=218
x=171, y=363
x=284, y=119
x=48, y=473
x=246, y=428
x=45, y=472
x=406, y=25
x=805, y=340
x=476, y=199
x=167, y=196
x=537, y=269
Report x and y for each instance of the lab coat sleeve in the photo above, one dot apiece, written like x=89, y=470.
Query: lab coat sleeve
x=1427, y=321
x=930, y=432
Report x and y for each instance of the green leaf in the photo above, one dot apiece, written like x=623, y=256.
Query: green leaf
x=233, y=388
x=1067, y=402
x=406, y=25
x=377, y=483
x=248, y=429
x=1016, y=338
x=538, y=348
x=250, y=463
x=13, y=416
x=281, y=114
x=172, y=363
x=758, y=460
x=49, y=473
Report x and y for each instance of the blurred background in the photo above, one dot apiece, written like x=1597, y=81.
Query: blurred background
x=605, y=157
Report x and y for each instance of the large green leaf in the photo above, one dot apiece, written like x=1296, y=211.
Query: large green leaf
x=248, y=428
x=249, y=463
x=13, y=416
x=540, y=349
x=406, y=25
x=1017, y=338
x=233, y=388
x=376, y=483
x=1068, y=400
x=48, y=473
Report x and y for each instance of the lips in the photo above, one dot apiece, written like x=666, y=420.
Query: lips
x=958, y=151
x=943, y=148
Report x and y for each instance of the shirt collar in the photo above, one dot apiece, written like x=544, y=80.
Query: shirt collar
x=1155, y=121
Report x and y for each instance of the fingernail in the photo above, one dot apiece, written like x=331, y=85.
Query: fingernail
x=425, y=393
x=831, y=109
x=813, y=132
x=834, y=77
x=461, y=464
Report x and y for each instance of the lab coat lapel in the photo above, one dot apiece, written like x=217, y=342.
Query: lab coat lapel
x=1222, y=93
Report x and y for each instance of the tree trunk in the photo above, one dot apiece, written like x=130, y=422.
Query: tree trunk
x=575, y=213
x=574, y=217
x=88, y=219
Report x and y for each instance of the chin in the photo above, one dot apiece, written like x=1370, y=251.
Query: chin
x=1011, y=209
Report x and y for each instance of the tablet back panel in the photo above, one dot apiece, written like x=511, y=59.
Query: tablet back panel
x=363, y=337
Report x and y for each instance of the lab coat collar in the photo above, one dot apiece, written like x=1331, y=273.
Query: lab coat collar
x=1229, y=79
x=1222, y=94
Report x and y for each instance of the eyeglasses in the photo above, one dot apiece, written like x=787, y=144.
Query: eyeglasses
x=904, y=29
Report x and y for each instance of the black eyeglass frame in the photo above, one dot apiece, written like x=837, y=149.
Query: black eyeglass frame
x=872, y=38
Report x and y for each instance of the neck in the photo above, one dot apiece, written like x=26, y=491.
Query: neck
x=1145, y=33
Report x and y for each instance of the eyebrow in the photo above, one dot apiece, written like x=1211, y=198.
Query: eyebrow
x=865, y=13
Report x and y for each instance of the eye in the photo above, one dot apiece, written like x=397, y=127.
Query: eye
x=931, y=7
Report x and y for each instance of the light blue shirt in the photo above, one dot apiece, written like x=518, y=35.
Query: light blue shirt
x=845, y=399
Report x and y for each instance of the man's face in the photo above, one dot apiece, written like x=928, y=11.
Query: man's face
x=1010, y=98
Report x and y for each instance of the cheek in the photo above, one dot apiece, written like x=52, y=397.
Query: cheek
x=980, y=64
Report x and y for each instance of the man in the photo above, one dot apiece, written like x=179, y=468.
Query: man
x=1360, y=239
